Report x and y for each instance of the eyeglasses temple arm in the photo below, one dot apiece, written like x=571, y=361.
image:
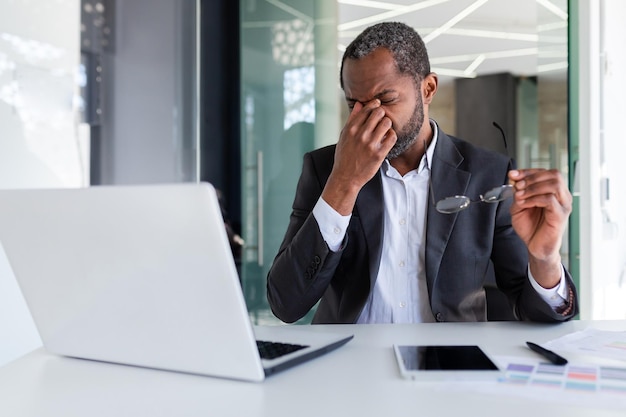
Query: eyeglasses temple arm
x=506, y=148
x=513, y=163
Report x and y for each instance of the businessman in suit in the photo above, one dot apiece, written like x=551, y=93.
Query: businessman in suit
x=365, y=238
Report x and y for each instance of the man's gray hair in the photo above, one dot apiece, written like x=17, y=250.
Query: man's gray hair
x=404, y=43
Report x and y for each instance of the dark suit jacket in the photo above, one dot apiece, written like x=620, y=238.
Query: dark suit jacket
x=459, y=247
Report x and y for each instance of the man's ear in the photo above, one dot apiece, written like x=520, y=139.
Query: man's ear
x=429, y=87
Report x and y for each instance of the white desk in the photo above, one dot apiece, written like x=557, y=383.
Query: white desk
x=359, y=379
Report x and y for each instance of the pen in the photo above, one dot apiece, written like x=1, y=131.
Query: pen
x=548, y=354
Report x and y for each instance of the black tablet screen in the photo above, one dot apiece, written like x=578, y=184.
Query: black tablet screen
x=445, y=358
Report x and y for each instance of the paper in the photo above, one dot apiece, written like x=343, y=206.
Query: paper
x=579, y=384
x=602, y=343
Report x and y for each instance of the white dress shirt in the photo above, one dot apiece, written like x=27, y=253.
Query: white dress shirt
x=400, y=294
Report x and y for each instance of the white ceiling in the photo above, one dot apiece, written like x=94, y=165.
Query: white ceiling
x=466, y=38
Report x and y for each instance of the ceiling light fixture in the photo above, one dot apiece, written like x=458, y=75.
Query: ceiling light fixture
x=553, y=8
x=452, y=73
x=371, y=4
x=488, y=55
x=552, y=26
x=388, y=15
x=292, y=11
x=477, y=33
x=456, y=19
x=552, y=67
x=471, y=68
x=555, y=53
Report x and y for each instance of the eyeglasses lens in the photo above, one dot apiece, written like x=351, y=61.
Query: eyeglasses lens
x=454, y=204
x=498, y=194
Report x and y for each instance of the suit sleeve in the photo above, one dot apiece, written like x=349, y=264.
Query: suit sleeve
x=304, y=265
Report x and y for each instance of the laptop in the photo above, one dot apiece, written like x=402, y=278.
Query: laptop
x=142, y=275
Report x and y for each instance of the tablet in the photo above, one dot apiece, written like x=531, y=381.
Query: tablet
x=445, y=362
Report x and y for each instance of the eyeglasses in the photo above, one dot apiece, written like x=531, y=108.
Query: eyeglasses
x=454, y=204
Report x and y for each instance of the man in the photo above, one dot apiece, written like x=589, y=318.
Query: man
x=365, y=239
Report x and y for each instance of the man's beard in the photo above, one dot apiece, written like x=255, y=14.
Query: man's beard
x=408, y=135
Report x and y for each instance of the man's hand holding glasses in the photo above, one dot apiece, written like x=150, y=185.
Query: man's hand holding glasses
x=541, y=207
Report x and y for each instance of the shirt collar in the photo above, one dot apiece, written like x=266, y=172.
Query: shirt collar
x=430, y=152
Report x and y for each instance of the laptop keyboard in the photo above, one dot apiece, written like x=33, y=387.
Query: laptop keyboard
x=273, y=350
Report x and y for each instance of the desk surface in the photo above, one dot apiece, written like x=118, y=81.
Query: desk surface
x=359, y=379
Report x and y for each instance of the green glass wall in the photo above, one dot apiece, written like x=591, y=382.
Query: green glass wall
x=290, y=105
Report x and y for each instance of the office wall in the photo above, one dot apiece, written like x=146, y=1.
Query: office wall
x=41, y=142
x=148, y=131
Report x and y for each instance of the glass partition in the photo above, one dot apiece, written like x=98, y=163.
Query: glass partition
x=552, y=147
x=289, y=107
x=41, y=142
x=291, y=100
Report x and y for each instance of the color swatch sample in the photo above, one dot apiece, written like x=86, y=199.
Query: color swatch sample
x=578, y=378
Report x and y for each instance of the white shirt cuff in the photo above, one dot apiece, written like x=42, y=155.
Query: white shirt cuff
x=553, y=296
x=332, y=225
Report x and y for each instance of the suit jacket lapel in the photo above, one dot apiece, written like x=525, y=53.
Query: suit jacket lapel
x=447, y=179
x=369, y=207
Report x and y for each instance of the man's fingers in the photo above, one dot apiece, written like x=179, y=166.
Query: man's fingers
x=368, y=124
x=538, y=181
x=381, y=129
x=540, y=188
x=356, y=108
x=389, y=139
x=363, y=109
